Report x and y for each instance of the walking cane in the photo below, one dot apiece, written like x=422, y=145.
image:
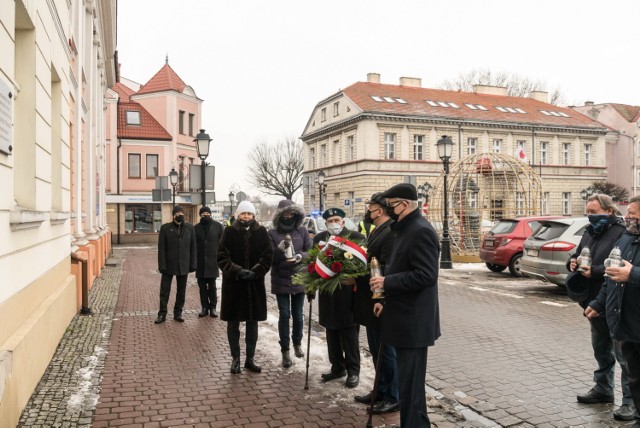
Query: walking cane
x=375, y=386
x=306, y=377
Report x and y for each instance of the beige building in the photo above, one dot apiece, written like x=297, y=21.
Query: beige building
x=371, y=135
x=56, y=64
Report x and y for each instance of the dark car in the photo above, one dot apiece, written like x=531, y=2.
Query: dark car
x=502, y=246
x=547, y=251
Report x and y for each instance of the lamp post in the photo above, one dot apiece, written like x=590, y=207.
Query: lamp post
x=586, y=193
x=231, y=195
x=321, y=177
x=424, y=190
x=203, y=142
x=173, y=179
x=445, y=145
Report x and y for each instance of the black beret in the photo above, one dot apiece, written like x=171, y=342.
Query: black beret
x=402, y=191
x=333, y=212
x=577, y=289
x=177, y=209
x=205, y=210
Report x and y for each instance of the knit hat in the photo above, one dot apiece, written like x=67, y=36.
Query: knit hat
x=284, y=203
x=245, y=207
x=205, y=210
x=177, y=209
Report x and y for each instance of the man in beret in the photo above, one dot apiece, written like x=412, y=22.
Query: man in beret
x=176, y=257
x=208, y=233
x=411, y=320
x=335, y=311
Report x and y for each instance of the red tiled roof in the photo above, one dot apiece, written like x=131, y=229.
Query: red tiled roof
x=416, y=105
x=164, y=80
x=124, y=92
x=149, y=128
x=630, y=113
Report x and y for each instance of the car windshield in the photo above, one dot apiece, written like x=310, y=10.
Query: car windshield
x=550, y=230
x=504, y=226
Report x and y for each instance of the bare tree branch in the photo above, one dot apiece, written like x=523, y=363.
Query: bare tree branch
x=617, y=193
x=517, y=86
x=276, y=169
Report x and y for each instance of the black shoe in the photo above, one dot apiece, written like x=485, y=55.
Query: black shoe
x=213, y=313
x=160, y=319
x=235, y=366
x=203, y=313
x=624, y=412
x=178, y=318
x=352, y=381
x=252, y=366
x=385, y=407
x=297, y=349
x=364, y=399
x=594, y=396
x=286, y=359
x=326, y=377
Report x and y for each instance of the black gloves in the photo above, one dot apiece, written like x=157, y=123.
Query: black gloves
x=246, y=274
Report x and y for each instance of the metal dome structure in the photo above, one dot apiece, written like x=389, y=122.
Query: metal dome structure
x=483, y=188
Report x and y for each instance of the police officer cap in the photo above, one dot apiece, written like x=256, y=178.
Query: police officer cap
x=333, y=212
x=402, y=191
x=378, y=199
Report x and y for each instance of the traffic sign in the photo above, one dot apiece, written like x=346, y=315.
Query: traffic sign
x=347, y=202
x=425, y=208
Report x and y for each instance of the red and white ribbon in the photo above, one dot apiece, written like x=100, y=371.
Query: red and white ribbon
x=348, y=246
x=323, y=270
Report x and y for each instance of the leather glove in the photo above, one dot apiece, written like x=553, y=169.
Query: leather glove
x=311, y=296
x=246, y=274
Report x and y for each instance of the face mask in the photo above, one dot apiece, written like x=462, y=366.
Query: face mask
x=245, y=223
x=393, y=214
x=598, y=222
x=287, y=221
x=206, y=219
x=632, y=226
x=367, y=217
x=179, y=219
x=334, y=228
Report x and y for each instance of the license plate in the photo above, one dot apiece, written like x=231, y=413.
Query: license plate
x=488, y=244
x=532, y=253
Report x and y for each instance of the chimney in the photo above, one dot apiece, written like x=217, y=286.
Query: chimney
x=373, y=77
x=588, y=103
x=414, y=82
x=490, y=90
x=540, y=96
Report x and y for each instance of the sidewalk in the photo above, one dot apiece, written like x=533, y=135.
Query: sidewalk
x=117, y=368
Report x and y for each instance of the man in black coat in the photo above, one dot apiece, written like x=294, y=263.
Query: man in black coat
x=208, y=233
x=411, y=319
x=176, y=257
x=335, y=311
x=583, y=285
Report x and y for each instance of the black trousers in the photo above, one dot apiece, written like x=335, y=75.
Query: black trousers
x=344, y=353
x=208, y=293
x=165, y=290
x=250, y=339
x=631, y=352
x=412, y=372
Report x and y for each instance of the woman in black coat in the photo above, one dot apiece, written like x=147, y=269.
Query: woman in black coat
x=244, y=256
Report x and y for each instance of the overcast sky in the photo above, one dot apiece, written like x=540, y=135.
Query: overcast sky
x=261, y=66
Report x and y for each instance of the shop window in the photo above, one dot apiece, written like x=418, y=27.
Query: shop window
x=142, y=218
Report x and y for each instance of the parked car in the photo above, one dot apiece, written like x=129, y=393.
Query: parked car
x=547, y=251
x=502, y=246
x=317, y=224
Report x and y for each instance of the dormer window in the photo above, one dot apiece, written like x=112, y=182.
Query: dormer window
x=133, y=117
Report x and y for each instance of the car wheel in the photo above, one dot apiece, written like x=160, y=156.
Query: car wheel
x=495, y=268
x=514, y=265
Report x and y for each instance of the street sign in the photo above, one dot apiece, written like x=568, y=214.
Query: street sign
x=358, y=200
x=425, y=208
x=196, y=198
x=195, y=177
x=157, y=196
x=347, y=202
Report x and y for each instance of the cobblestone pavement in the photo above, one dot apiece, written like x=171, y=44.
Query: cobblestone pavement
x=116, y=368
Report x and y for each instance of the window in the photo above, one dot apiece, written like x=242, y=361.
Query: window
x=473, y=200
x=134, y=165
x=142, y=218
x=336, y=108
x=389, y=145
x=133, y=117
x=587, y=154
x=471, y=146
x=418, y=144
x=519, y=203
x=566, y=203
x=497, y=146
x=389, y=99
x=323, y=155
x=191, y=119
x=351, y=148
x=544, y=148
x=521, y=150
x=181, y=122
x=545, y=203
x=312, y=158
x=323, y=114
x=152, y=166
x=565, y=153
x=336, y=152
x=376, y=98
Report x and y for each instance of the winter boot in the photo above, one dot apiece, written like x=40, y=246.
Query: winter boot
x=298, y=351
x=286, y=359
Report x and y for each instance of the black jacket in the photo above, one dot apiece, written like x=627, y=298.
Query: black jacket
x=176, y=249
x=621, y=301
x=411, y=317
x=207, y=245
x=244, y=300
x=379, y=245
x=335, y=310
x=600, y=247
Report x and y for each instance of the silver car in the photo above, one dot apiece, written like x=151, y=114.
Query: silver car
x=548, y=249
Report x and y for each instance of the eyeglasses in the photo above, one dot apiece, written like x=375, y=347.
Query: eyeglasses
x=395, y=203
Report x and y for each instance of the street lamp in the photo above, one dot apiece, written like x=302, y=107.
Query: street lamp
x=321, y=177
x=173, y=179
x=424, y=190
x=586, y=193
x=231, y=195
x=445, y=146
x=203, y=142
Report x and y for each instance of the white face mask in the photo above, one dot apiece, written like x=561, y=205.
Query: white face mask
x=334, y=228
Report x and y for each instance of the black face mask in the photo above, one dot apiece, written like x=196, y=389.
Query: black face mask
x=367, y=217
x=287, y=221
x=179, y=219
x=206, y=219
x=244, y=223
